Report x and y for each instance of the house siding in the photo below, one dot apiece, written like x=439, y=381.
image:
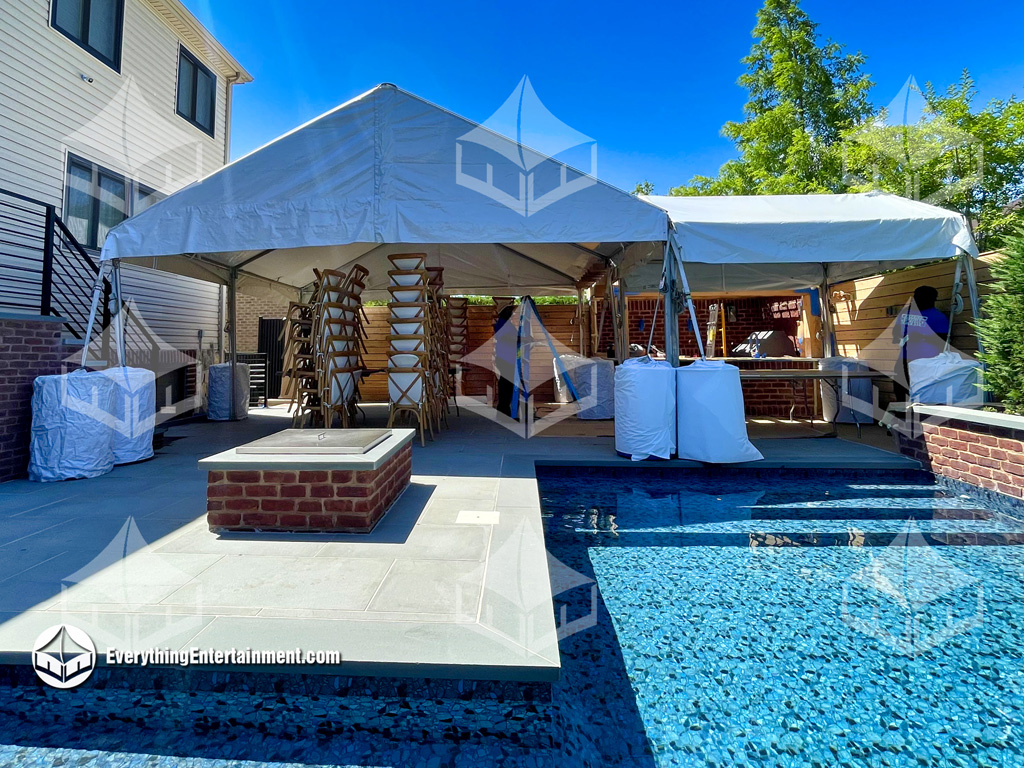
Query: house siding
x=48, y=110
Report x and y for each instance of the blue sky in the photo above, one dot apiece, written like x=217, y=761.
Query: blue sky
x=652, y=83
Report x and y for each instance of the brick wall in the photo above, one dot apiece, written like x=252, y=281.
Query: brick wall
x=986, y=456
x=306, y=500
x=248, y=313
x=760, y=313
x=29, y=347
x=774, y=398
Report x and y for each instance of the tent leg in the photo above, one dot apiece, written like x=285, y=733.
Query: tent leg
x=232, y=336
x=97, y=293
x=952, y=304
x=119, y=323
x=828, y=342
x=671, y=310
x=972, y=290
x=689, y=304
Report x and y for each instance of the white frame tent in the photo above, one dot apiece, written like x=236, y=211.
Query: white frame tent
x=788, y=242
x=389, y=172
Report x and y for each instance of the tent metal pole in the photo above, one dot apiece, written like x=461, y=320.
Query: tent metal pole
x=972, y=290
x=579, y=320
x=97, y=293
x=828, y=347
x=689, y=304
x=668, y=282
x=232, y=335
x=952, y=302
x=115, y=281
x=623, y=319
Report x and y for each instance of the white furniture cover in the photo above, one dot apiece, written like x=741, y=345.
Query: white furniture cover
x=645, y=409
x=857, y=394
x=387, y=173
x=593, y=378
x=134, y=413
x=218, y=407
x=71, y=417
x=709, y=414
x=946, y=379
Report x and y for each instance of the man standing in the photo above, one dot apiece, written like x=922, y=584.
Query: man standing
x=921, y=332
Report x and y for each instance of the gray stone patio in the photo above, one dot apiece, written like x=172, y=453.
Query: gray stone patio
x=452, y=582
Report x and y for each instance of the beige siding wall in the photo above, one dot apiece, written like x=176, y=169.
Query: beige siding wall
x=48, y=110
x=868, y=308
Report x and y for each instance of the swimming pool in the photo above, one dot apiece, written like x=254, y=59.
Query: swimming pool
x=799, y=619
x=723, y=619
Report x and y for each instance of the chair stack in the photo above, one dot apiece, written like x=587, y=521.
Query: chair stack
x=458, y=334
x=299, y=376
x=340, y=335
x=409, y=358
x=439, y=339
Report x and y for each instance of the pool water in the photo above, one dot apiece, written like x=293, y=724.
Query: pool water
x=743, y=618
x=869, y=619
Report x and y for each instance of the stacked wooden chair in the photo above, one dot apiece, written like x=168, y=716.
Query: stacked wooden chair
x=341, y=340
x=408, y=342
x=300, y=383
x=458, y=337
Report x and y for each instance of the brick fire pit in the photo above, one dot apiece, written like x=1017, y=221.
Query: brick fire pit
x=304, y=485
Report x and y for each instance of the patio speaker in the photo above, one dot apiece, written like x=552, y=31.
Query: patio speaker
x=710, y=417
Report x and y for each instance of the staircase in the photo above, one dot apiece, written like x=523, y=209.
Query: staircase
x=43, y=268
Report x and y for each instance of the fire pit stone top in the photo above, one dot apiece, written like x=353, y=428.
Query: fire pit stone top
x=314, y=449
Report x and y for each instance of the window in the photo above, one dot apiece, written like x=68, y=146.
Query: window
x=94, y=24
x=197, y=92
x=97, y=200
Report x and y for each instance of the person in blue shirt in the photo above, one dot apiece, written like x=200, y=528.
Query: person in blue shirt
x=921, y=332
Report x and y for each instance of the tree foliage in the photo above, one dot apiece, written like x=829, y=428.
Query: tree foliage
x=809, y=127
x=803, y=95
x=949, y=155
x=999, y=328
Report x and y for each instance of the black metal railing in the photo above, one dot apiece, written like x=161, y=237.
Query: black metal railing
x=43, y=267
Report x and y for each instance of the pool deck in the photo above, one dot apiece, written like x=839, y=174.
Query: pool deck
x=453, y=582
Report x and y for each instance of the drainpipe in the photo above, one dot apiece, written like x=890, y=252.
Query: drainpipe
x=227, y=114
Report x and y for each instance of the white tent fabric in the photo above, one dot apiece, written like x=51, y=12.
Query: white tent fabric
x=391, y=168
x=780, y=242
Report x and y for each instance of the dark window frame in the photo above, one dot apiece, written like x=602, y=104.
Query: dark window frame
x=80, y=38
x=132, y=189
x=197, y=68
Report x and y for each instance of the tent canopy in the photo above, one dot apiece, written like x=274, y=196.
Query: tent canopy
x=389, y=172
x=774, y=242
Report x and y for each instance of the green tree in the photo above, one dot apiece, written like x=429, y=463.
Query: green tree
x=643, y=188
x=948, y=154
x=1000, y=326
x=803, y=96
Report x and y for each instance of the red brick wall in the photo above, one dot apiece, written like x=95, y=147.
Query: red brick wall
x=774, y=398
x=28, y=348
x=306, y=500
x=988, y=457
x=760, y=313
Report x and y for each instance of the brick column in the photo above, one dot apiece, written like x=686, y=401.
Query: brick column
x=345, y=501
x=29, y=347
